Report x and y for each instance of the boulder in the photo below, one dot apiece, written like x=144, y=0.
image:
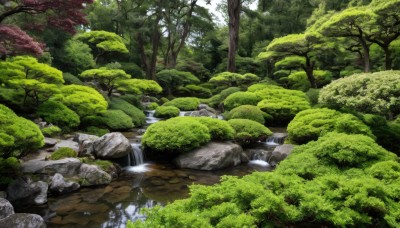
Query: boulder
x=93, y=175
x=25, y=191
x=213, y=156
x=112, y=145
x=67, y=143
x=80, y=138
x=59, y=185
x=206, y=107
x=202, y=112
x=280, y=153
x=6, y=209
x=22, y=220
x=50, y=142
x=67, y=167
x=85, y=143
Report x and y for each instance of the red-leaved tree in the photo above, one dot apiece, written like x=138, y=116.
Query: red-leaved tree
x=62, y=14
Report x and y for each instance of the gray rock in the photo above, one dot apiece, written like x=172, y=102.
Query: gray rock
x=213, y=156
x=202, y=112
x=112, y=145
x=6, y=209
x=67, y=143
x=50, y=142
x=206, y=107
x=22, y=220
x=80, y=137
x=277, y=138
x=3, y=194
x=93, y=175
x=280, y=153
x=86, y=149
x=25, y=191
x=67, y=166
x=59, y=185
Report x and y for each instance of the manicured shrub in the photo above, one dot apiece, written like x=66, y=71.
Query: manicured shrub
x=116, y=120
x=310, y=124
x=367, y=93
x=138, y=117
x=163, y=100
x=170, y=79
x=51, y=131
x=313, y=95
x=177, y=135
x=134, y=100
x=92, y=130
x=217, y=99
x=63, y=152
x=71, y=79
x=249, y=112
x=17, y=135
x=166, y=112
x=240, y=98
x=282, y=104
x=58, y=114
x=184, y=103
x=152, y=106
x=298, y=80
x=9, y=169
x=261, y=86
x=219, y=129
x=194, y=90
x=248, y=131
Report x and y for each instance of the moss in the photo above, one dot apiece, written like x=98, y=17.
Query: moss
x=249, y=112
x=166, y=112
x=137, y=116
x=96, y=131
x=51, y=131
x=152, y=106
x=63, y=152
x=248, y=131
x=105, y=165
x=219, y=129
x=111, y=119
x=184, y=103
x=58, y=114
x=240, y=98
x=217, y=99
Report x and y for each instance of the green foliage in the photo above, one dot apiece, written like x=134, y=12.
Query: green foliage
x=184, y=103
x=240, y=98
x=17, y=135
x=176, y=135
x=82, y=99
x=310, y=124
x=152, y=106
x=194, y=67
x=103, y=164
x=375, y=93
x=111, y=119
x=299, y=80
x=219, y=129
x=77, y=56
x=103, y=41
x=138, y=86
x=132, y=69
x=261, y=86
x=290, y=62
x=170, y=79
x=248, y=131
x=51, y=131
x=9, y=169
x=282, y=104
x=249, y=112
x=217, y=99
x=194, y=90
x=137, y=115
x=166, y=112
x=234, y=79
x=92, y=130
x=58, y=114
x=63, y=152
x=71, y=79
x=313, y=95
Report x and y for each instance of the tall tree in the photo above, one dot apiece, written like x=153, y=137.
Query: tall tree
x=234, y=8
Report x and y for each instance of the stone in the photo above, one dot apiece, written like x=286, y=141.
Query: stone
x=67, y=143
x=50, y=142
x=280, y=153
x=213, y=156
x=25, y=191
x=112, y=145
x=67, y=167
x=80, y=137
x=59, y=185
x=202, y=112
x=22, y=220
x=206, y=107
x=86, y=149
x=93, y=175
x=6, y=209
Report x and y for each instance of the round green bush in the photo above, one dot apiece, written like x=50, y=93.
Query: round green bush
x=51, y=131
x=92, y=130
x=58, y=114
x=310, y=124
x=249, y=112
x=166, y=112
x=177, y=135
x=184, y=103
x=71, y=79
x=261, y=86
x=194, y=90
x=282, y=104
x=219, y=129
x=63, y=152
x=17, y=135
x=116, y=120
x=152, y=106
x=248, y=131
x=138, y=117
x=217, y=99
x=240, y=98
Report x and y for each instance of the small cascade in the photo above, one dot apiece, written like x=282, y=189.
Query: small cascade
x=136, y=155
x=276, y=139
x=184, y=113
x=150, y=119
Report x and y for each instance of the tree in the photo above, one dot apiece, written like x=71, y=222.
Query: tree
x=77, y=57
x=14, y=41
x=138, y=86
x=233, y=79
x=234, y=8
x=106, y=77
x=171, y=79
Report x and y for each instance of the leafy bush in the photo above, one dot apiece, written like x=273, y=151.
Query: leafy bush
x=248, y=131
x=166, y=112
x=219, y=129
x=112, y=119
x=282, y=104
x=240, y=98
x=233, y=79
x=171, y=79
x=134, y=100
x=310, y=124
x=63, y=152
x=194, y=90
x=138, y=117
x=9, y=169
x=184, y=103
x=58, y=114
x=71, y=79
x=17, y=135
x=298, y=80
x=177, y=135
x=138, y=86
x=217, y=99
x=152, y=106
x=261, y=86
x=249, y=112
x=375, y=93
x=313, y=95
x=92, y=130
x=51, y=131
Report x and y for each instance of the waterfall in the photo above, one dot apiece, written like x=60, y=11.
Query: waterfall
x=150, y=119
x=136, y=156
x=183, y=113
x=276, y=139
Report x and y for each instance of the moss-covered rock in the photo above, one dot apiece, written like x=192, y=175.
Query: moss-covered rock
x=51, y=131
x=248, y=131
x=63, y=152
x=166, y=112
x=249, y=112
x=184, y=103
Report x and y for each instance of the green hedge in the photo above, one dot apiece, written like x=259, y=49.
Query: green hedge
x=248, y=131
x=249, y=112
x=184, y=103
x=138, y=117
x=111, y=119
x=166, y=112
x=58, y=114
x=219, y=129
x=51, y=131
x=240, y=98
x=217, y=99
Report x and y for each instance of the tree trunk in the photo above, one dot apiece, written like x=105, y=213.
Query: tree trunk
x=309, y=69
x=234, y=7
x=367, y=63
x=388, y=57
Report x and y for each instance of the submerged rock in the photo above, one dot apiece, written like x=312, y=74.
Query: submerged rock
x=25, y=191
x=67, y=167
x=93, y=175
x=59, y=185
x=213, y=156
x=22, y=220
x=112, y=145
x=280, y=153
